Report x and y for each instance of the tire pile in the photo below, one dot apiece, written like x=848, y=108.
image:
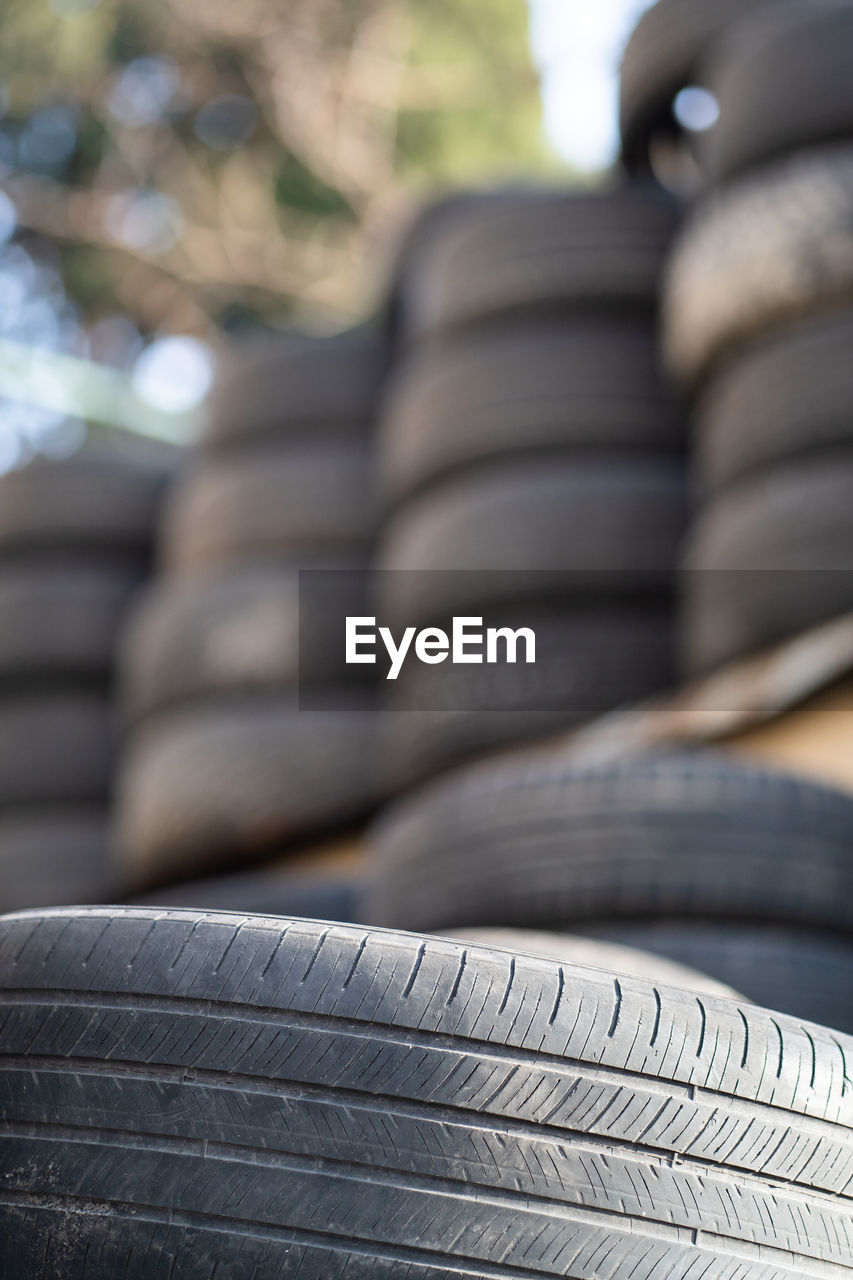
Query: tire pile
x=531, y=462
x=75, y=543
x=224, y=766
x=759, y=324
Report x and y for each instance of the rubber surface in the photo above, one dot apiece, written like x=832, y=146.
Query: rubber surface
x=769, y=558
x=268, y=892
x=236, y=632
x=293, y=1099
x=581, y=385
x=805, y=973
x=55, y=747
x=551, y=251
x=303, y=497
x=280, y=387
x=773, y=246
x=663, y=56
x=216, y=785
x=596, y=527
x=530, y=841
x=777, y=401
x=61, y=621
x=783, y=82
x=56, y=856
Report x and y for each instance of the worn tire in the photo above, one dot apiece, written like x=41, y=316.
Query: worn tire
x=544, y=253
x=778, y=401
x=296, y=384
x=783, y=81
x=663, y=56
x=772, y=247
x=533, y=842
x=605, y=528
x=61, y=621
x=297, y=1099
x=56, y=857
x=587, y=663
x=770, y=557
x=94, y=501
x=55, y=748
x=218, y=784
x=235, y=633
x=597, y=954
x=803, y=973
x=274, y=503
x=587, y=386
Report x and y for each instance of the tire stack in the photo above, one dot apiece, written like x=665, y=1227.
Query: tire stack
x=75, y=544
x=225, y=766
x=759, y=326
x=529, y=442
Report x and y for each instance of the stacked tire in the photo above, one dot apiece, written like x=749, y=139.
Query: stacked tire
x=758, y=325
x=75, y=544
x=741, y=873
x=226, y=765
x=531, y=464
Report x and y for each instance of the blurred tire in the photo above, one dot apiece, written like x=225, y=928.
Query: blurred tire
x=268, y=893
x=770, y=557
x=54, y=857
x=55, y=748
x=584, y=385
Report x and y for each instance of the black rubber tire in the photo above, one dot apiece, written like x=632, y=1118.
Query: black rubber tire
x=597, y=954
x=56, y=857
x=783, y=81
x=272, y=503
x=55, y=748
x=216, y=785
x=664, y=55
x=587, y=663
x=95, y=500
x=583, y=385
x=803, y=973
x=768, y=558
x=267, y=892
x=780, y=400
x=61, y=621
x=292, y=1099
x=295, y=383
x=553, y=251
x=601, y=528
x=533, y=842
x=235, y=633
x=772, y=247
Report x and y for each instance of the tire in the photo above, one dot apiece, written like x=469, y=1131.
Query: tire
x=217, y=785
x=56, y=858
x=282, y=502
x=663, y=56
x=531, y=842
x=94, y=501
x=770, y=248
x=595, y=954
x=800, y=972
x=237, y=633
x=769, y=558
x=777, y=402
x=587, y=663
x=296, y=384
x=580, y=385
x=553, y=251
x=60, y=622
x=529, y=531
x=294, y=1099
x=267, y=892
x=55, y=748
x=784, y=82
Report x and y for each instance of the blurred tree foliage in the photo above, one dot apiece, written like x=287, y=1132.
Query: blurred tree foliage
x=209, y=164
